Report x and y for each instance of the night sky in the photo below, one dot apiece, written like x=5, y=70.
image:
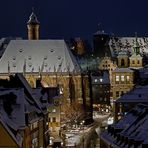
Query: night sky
x=74, y=18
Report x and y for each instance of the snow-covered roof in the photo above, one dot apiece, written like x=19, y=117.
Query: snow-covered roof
x=17, y=107
x=15, y=120
x=131, y=126
x=143, y=73
x=38, y=56
x=123, y=70
x=138, y=94
x=127, y=43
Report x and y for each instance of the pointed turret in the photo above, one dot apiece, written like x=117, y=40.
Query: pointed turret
x=136, y=46
x=136, y=60
x=33, y=27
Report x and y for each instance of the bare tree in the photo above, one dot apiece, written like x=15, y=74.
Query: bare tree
x=71, y=113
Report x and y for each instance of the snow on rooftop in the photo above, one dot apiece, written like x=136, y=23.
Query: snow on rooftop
x=138, y=94
x=38, y=55
x=18, y=107
x=127, y=43
x=132, y=126
x=123, y=70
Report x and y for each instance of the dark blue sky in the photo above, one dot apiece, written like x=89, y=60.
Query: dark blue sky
x=73, y=18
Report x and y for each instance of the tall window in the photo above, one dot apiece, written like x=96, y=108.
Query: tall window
x=138, y=62
x=122, y=78
x=117, y=78
x=127, y=78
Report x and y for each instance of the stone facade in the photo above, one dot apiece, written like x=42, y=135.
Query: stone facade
x=122, y=81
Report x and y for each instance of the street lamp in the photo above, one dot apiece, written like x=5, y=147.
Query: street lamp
x=82, y=124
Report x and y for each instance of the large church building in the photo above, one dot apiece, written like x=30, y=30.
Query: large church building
x=47, y=61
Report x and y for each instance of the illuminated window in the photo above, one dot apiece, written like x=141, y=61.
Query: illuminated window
x=54, y=110
x=101, y=80
x=117, y=78
x=127, y=78
x=96, y=80
x=35, y=125
x=122, y=78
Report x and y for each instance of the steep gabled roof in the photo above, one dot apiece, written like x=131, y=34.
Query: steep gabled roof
x=34, y=56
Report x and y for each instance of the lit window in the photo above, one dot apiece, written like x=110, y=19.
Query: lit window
x=101, y=80
x=54, y=110
x=117, y=78
x=127, y=78
x=122, y=78
x=35, y=125
x=96, y=80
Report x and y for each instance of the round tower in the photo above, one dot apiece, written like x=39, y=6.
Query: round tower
x=33, y=27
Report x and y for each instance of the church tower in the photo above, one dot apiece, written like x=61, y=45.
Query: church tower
x=33, y=27
x=123, y=59
x=136, y=60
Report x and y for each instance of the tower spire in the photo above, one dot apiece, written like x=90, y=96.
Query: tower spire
x=33, y=26
x=136, y=46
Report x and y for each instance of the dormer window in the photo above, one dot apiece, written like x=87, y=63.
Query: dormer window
x=51, y=50
x=59, y=57
x=29, y=58
x=20, y=50
x=14, y=65
x=45, y=57
x=29, y=64
x=45, y=64
x=14, y=58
